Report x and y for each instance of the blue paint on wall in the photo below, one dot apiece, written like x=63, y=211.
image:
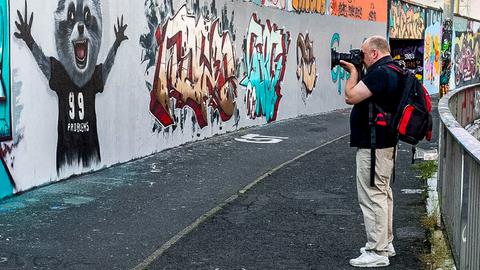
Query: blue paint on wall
x=5, y=109
x=338, y=73
x=6, y=183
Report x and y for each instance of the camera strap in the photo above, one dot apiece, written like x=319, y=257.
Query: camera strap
x=372, y=122
x=373, y=143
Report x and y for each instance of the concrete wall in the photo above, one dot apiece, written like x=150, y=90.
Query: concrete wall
x=156, y=74
x=468, y=8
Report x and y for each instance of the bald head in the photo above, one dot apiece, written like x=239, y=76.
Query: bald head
x=374, y=48
x=378, y=43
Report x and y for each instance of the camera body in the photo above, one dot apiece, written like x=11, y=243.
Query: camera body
x=355, y=57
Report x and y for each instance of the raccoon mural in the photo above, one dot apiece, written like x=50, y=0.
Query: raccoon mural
x=75, y=77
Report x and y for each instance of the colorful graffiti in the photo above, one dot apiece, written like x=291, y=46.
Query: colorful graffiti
x=431, y=68
x=431, y=59
x=446, y=52
x=314, y=6
x=196, y=67
x=409, y=54
x=5, y=107
x=306, y=65
x=281, y=4
x=368, y=10
x=7, y=185
x=265, y=54
x=466, y=57
x=338, y=73
x=75, y=76
x=406, y=21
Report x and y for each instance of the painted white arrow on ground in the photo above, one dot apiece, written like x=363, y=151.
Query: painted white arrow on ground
x=257, y=138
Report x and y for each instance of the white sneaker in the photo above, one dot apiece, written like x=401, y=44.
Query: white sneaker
x=391, y=250
x=370, y=259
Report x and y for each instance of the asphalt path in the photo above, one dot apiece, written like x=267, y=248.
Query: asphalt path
x=115, y=218
x=227, y=202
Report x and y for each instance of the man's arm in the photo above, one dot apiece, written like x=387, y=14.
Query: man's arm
x=355, y=91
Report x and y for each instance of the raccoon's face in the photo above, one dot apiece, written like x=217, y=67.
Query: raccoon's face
x=78, y=25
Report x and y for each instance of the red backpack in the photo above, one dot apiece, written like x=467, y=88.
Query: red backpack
x=412, y=121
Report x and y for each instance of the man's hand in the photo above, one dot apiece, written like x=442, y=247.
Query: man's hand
x=349, y=67
x=24, y=27
x=120, y=32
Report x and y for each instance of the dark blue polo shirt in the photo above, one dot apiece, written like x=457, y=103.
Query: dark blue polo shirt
x=385, y=85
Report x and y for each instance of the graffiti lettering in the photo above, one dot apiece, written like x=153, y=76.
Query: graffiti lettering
x=465, y=65
x=372, y=15
x=406, y=21
x=446, y=56
x=316, y=6
x=431, y=58
x=338, y=73
x=265, y=54
x=306, y=66
x=196, y=67
x=371, y=10
x=409, y=54
x=281, y=4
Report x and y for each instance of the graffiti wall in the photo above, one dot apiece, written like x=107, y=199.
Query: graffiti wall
x=446, y=56
x=95, y=84
x=368, y=10
x=432, y=51
x=465, y=52
x=265, y=55
x=409, y=54
x=316, y=6
x=406, y=21
x=306, y=64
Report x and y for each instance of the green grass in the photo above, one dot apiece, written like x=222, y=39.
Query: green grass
x=426, y=169
x=438, y=255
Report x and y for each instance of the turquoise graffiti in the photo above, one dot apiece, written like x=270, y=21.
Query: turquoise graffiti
x=7, y=185
x=5, y=113
x=265, y=49
x=338, y=73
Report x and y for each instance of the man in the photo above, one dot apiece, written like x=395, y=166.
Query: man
x=381, y=86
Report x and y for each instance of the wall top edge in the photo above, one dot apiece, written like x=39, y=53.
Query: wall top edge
x=437, y=8
x=465, y=17
x=469, y=143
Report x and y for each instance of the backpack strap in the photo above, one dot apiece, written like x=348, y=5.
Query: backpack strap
x=395, y=67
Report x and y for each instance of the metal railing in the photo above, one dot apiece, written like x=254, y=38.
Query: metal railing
x=459, y=174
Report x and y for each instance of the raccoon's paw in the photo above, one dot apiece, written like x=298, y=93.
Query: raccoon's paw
x=119, y=29
x=24, y=27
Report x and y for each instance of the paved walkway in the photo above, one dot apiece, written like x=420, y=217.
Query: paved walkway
x=214, y=204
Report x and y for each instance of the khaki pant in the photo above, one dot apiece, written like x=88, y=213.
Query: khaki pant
x=376, y=202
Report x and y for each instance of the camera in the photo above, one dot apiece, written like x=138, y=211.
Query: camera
x=355, y=57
